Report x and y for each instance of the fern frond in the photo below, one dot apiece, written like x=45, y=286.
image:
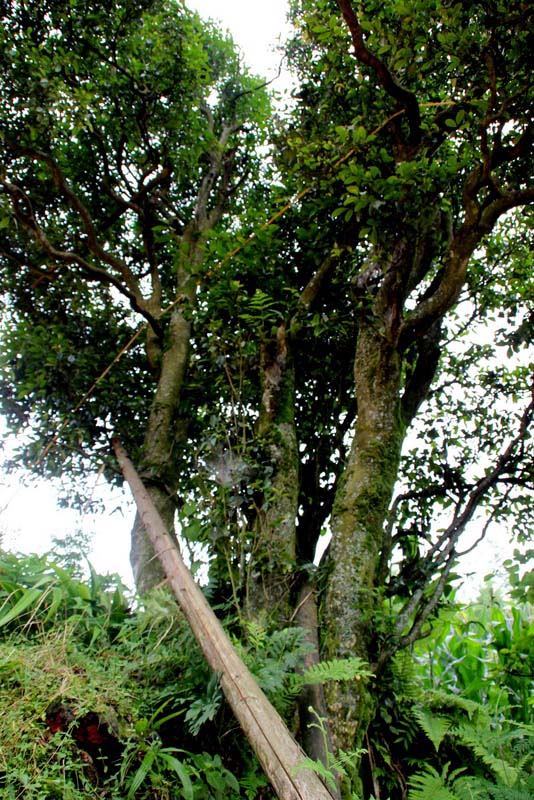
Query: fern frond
x=404, y=670
x=339, y=669
x=470, y=736
x=319, y=768
x=430, y=784
x=256, y=634
x=493, y=791
x=447, y=700
x=344, y=762
x=433, y=725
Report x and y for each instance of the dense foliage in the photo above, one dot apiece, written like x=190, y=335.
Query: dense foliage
x=102, y=700
x=337, y=310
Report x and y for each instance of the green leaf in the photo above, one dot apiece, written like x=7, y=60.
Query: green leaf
x=29, y=597
x=143, y=771
x=435, y=727
x=165, y=755
x=342, y=669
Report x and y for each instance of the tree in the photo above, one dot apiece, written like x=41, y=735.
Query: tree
x=317, y=373
x=432, y=105
x=126, y=139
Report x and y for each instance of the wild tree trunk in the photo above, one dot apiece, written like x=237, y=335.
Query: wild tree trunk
x=314, y=726
x=273, y=557
x=157, y=453
x=360, y=507
x=169, y=360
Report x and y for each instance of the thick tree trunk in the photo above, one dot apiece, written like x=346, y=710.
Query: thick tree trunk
x=146, y=567
x=360, y=508
x=160, y=438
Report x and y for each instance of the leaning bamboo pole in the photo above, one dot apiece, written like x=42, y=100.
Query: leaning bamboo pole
x=280, y=756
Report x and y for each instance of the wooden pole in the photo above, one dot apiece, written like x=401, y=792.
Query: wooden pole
x=277, y=751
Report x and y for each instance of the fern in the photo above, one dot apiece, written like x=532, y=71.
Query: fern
x=447, y=700
x=204, y=708
x=251, y=783
x=337, y=767
x=470, y=737
x=431, y=784
x=325, y=773
x=256, y=634
x=403, y=669
x=434, y=726
x=523, y=791
x=339, y=669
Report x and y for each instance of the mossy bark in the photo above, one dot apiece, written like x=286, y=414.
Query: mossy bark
x=169, y=360
x=273, y=556
x=360, y=508
x=157, y=453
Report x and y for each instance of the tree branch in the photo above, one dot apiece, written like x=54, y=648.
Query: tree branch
x=404, y=97
x=313, y=288
x=443, y=553
x=479, y=221
x=23, y=210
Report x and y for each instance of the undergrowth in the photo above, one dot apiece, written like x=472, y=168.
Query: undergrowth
x=102, y=700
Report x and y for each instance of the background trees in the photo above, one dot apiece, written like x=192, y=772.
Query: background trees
x=281, y=374
x=125, y=142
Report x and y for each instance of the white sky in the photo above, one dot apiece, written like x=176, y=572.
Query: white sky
x=29, y=517
x=256, y=28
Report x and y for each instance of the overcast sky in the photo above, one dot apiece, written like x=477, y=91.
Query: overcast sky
x=256, y=28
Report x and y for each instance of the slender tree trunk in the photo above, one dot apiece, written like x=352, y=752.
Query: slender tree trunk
x=314, y=726
x=160, y=439
x=273, y=556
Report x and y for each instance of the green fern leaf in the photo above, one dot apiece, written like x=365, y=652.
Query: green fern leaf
x=339, y=669
x=447, y=700
x=319, y=768
x=470, y=737
x=434, y=726
x=430, y=784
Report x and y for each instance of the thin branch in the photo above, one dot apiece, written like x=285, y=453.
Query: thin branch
x=313, y=288
x=406, y=98
x=443, y=553
x=23, y=210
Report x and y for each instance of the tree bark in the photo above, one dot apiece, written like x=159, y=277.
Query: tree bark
x=273, y=557
x=157, y=450
x=146, y=567
x=360, y=507
x=313, y=714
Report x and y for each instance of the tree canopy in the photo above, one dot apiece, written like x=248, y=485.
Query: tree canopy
x=336, y=302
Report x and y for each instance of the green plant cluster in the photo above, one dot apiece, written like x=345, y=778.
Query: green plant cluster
x=101, y=700
x=457, y=717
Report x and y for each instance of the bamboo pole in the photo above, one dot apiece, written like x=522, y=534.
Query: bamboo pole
x=278, y=753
